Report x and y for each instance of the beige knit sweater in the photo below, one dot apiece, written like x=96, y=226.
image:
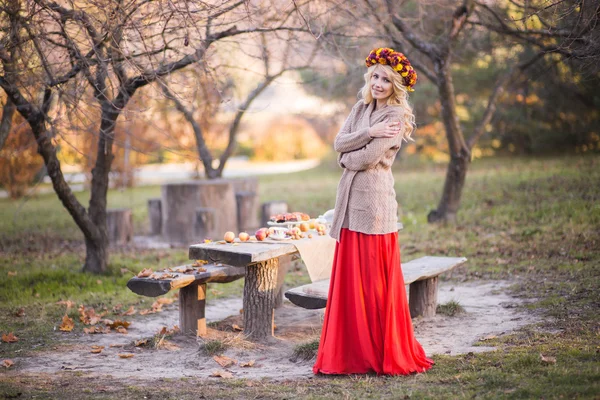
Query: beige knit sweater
x=366, y=200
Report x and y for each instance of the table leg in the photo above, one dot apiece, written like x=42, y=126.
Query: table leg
x=423, y=297
x=192, y=302
x=284, y=264
x=259, y=298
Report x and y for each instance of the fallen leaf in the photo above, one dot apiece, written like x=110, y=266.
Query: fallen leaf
x=247, y=364
x=94, y=346
x=141, y=342
x=145, y=273
x=236, y=328
x=224, y=361
x=221, y=374
x=125, y=355
x=117, y=308
x=488, y=337
x=10, y=338
x=122, y=329
x=164, y=300
x=548, y=359
x=97, y=349
x=130, y=311
x=166, y=331
x=116, y=345
x=20, y=312
x=96, y=329
x=67, y=324
x=167, y=345
x=99, y=281
x=12, y=273
x=88, y=316
x=144, y=312
x=117, y=323
x=8, y=363
x=67, y=303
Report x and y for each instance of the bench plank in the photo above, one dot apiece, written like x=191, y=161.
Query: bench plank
x=242, y=254
x=314, y=295
x=158, y=287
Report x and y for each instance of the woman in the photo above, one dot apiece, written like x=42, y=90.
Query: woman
x=367, y=325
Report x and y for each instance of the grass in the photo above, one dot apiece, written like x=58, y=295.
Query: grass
x=306, y=351
x=533, y=222
x=450, y=308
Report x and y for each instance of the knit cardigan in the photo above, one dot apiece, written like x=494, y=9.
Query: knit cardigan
x=366, y=200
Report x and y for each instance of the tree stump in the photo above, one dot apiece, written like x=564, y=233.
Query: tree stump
x=246, y=211
x=262, y=279
x=155, y=216
x=205, y=223
x=423, y=297
x=180, y=201
x=119, y=225
x=284, y=263
x=192, y=304
x=272, y=208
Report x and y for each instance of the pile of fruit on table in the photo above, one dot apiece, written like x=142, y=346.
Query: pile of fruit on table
x=294, y=226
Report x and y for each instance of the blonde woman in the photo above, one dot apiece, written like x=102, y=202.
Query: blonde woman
x=367, y=326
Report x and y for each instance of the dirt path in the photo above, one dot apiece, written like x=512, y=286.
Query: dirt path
x=489, y=311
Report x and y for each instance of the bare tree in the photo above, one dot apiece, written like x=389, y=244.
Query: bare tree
x=112, y=48
x=285, y=63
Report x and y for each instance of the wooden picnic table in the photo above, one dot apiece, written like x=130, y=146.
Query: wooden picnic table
x=264, y=277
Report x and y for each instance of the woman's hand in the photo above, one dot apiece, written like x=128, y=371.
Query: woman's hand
x=384, y=129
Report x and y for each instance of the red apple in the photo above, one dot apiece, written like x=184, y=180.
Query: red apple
x=229, y=237
x=261, y=234
x=243, y=236
x=304, y=227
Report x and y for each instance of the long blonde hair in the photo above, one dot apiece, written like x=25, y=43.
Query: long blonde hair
x=399, y=96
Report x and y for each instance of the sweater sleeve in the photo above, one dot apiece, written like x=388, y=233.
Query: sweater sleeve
x=370, y=155
x=346, y=140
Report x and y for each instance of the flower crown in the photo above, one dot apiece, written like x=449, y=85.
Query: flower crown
x=397, y=61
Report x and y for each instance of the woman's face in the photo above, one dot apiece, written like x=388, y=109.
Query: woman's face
x=381, y=85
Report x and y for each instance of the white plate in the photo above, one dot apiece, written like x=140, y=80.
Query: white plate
x=287, y=223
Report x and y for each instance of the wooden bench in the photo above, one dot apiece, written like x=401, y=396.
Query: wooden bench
x=422, y=275
x=192, y=294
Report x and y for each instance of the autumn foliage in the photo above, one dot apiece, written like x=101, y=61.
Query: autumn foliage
x=19, y=160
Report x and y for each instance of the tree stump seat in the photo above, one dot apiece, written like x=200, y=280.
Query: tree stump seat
x=192, y=294
x=422, y=275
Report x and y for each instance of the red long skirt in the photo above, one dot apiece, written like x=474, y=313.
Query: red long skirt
x=367, y=325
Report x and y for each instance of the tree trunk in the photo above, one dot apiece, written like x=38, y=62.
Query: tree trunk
x=453, y=186
x=96, y=255
x=258, y=310
x=6, y=123
x=460, y=154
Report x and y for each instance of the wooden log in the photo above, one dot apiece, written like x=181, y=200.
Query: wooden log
x=192, y=304
x=205, y=223
x=422, y=298
x=119, y=225
x=272, y=208
x=246, y=211
x=284, y=264
x=155, y=216
x=259, y=299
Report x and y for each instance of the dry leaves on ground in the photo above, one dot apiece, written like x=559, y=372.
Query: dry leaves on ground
x=141, y=342
x=88, y=316
x=67, y=303
x=20, y=312
x=67, y=324
x=122, y=330
x=130, y=311
x=236, y=328
x=97, y=349
x=224, y=361
x=164, y=344
x=164, y=300
x=117, y=323
x=10, y=338
x=247, y=364
x=8, y=363
x=166, y=331
x=125, y=355
x=221, y=374
x=12, y=273
x=96, y=329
